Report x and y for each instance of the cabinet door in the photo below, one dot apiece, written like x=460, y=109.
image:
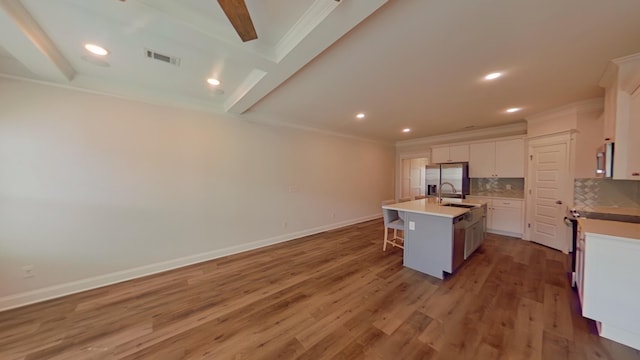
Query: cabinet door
x=506, y=219
x=440, y=155
x=610, y=110
x=510, y=158
x=482, y=160
x=489, y=215
x=458, y=153
x=633, y=152
x=469, y=242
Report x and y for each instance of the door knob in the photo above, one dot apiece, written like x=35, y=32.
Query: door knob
x=559, y=202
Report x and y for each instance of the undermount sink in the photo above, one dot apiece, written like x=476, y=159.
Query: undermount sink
x=466, y=206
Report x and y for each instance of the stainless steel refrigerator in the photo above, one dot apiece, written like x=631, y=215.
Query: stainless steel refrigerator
x=451, y=178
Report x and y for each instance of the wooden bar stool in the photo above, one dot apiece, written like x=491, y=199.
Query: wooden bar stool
x=392, y=220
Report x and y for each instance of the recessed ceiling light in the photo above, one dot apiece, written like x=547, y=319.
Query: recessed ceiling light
x=214, y=82
x=406, y=130
x=512, y=110
x=96, y=50
x=360, y=115
x=493, y=76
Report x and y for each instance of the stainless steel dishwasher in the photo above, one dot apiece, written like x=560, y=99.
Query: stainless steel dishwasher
x=459, y=235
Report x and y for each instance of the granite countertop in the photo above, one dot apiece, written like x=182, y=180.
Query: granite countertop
x=610, y=210
x=429, y=207
x=501, y=195
x=621, y=214
x=476, y=202
x=625, y=230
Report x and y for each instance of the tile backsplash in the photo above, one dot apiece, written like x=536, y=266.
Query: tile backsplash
x=606, y=192
x=501, y=187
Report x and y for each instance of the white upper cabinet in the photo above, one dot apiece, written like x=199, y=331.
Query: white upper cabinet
x=439, y=155
x=610, y=98
x=450, y=153
x=622, y=115
x=510, y=158
x=482, y=160
x=502, y=158
x=633, y=152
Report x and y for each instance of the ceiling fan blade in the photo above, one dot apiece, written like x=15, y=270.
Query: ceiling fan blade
x=238, y=14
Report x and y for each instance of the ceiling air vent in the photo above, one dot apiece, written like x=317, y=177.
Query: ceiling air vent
x=161, y=57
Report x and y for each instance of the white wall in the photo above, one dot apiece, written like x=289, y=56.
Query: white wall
x=96, y=189
x=585, y=119
x=553, y=124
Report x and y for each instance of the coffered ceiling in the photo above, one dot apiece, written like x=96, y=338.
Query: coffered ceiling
x=316, y=63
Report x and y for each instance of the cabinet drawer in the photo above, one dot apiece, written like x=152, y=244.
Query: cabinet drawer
x=516, y=204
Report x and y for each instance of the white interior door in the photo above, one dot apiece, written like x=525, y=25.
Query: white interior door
x=405, y=188
x=549, y=188
x=413, y=176
x=417, y=176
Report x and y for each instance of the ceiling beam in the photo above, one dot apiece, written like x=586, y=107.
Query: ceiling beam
x=318, y=29
x=25, y=40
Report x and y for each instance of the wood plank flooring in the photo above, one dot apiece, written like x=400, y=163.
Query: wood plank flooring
x=334, y=295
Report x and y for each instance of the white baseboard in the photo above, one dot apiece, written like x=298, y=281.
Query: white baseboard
x=505, y=233
x=52, y=292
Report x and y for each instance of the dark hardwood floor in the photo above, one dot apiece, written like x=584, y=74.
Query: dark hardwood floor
x=331, y=295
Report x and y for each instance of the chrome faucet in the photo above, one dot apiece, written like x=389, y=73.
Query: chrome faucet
x=440, y=190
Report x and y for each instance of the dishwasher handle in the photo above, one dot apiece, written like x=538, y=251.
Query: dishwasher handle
x=458, y=219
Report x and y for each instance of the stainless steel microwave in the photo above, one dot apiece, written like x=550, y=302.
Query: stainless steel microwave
x=604, y=161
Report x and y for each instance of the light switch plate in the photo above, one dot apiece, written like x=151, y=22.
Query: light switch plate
x=412, y=225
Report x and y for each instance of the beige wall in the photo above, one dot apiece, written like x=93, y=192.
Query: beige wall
x=551, y=125
x=96, y=189
x=585, y=119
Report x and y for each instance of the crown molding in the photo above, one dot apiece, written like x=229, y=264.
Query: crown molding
x=626, y=59
x=278, y=123
x=575, y=108
x=519, y=128
x=626, y=70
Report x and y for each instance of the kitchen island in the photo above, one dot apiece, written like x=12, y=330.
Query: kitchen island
x=439, y=237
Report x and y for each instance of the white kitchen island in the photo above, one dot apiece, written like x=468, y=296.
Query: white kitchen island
x=437, y=238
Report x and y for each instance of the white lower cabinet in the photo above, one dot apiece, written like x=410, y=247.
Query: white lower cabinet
x=609, y=285
x=504, y=216
x=474, y=238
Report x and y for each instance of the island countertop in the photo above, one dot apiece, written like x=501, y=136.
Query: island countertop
x=619, y=229
x=428, y=207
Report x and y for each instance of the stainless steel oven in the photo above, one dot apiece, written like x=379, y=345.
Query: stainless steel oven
x=604, y=161
x=571, y=219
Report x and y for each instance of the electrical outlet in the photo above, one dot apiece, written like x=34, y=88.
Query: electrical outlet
x=27, y=271
x=412, y=225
